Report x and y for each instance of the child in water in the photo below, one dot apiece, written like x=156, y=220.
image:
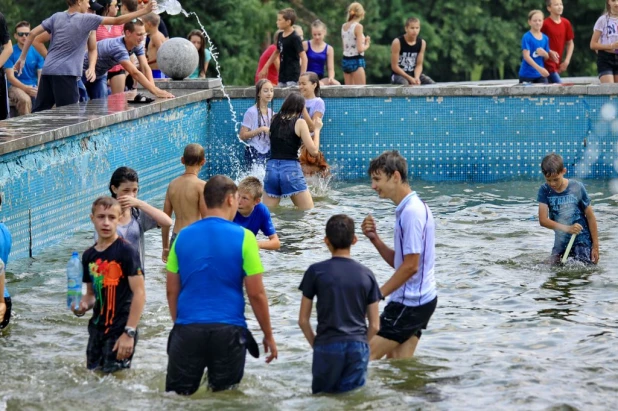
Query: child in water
x=320, y=54
x=564, y=206
x=309, y=86
x=137, y=216
x=256, y=125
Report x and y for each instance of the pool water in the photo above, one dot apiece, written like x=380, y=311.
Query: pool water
x=509, y=331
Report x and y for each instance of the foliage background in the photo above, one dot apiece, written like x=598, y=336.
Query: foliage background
x=466, y=40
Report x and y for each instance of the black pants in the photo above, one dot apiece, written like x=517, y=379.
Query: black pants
x=99, y=354
x=56, y=90
x=192, y=348
x=7, y=314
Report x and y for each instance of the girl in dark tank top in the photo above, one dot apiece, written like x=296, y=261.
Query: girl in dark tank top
x=284, y=176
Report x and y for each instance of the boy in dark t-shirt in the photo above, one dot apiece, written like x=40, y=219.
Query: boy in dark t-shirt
x=289, y=51
x=564, y=206
x=347, y=293
x=115, y=291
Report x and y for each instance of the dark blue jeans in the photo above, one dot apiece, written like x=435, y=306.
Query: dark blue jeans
x=339, y=367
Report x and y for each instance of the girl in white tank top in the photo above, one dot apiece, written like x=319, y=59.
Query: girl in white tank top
x=354, y=45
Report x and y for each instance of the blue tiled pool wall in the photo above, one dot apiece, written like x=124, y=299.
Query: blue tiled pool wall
x=50, y=187
x=480, y=139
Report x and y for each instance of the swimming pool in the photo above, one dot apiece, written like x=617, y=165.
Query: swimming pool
x=509, y=331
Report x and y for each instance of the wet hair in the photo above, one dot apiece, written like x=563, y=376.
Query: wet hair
x=152, y=18
x=193, y=154
x=608, y=8
x=318, y=24
x=340, y=231
x=288, y=14
x=252, y=186
x=130, y=26
x=533, y=12
x=258, y=89
x=21, y=24
x=217, y=189
x=130, y=5
x=356, y=10
x=106, y=202
x=411, y=20
x=314, y=79
x=292, y=107
x=389, y=162
x=552, y=164
x=122, y=175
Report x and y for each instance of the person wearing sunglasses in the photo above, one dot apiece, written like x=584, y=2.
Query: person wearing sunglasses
x=23, y=88
x=63, y=66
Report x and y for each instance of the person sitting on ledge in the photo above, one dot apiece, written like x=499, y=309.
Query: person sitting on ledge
x=151, y=24
x=407, y=55
x=116, y=51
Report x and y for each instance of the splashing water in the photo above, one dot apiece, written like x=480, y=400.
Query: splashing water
x=215, y=54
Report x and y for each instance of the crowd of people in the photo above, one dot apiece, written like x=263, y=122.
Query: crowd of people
x=96, y=48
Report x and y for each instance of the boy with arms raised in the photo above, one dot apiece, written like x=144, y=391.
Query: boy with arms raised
x=412, y=288
x=564, y=206
x=253, y=215
x=185, y=196
x=407, y=55
x=289, y=50
x=560, y=34
x=347, y=293
x=115, y=291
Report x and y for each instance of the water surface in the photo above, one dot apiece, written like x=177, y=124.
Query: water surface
x=509, y=331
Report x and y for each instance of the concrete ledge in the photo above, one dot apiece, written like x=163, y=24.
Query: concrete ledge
x=576, y=86
x=35, y=129
x=189, y=84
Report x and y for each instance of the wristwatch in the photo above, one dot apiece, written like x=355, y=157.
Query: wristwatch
x=130, y=332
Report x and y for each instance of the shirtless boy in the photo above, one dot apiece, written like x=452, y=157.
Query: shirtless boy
x=185, y=196
x=151, y=23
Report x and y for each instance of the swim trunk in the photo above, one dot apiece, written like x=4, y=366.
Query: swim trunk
x=112, y=74
x=174, y=235
x=397, y=79
x=99, y=354
x=351, y=64
x=607, y=63
x=534, y=80
x=400, y=322
x=158, y=74
x=192, y=348
x=7, y=314
x=339, y=367
x=284, y=178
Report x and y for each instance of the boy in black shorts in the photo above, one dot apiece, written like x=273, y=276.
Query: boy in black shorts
x=347, y=293
x=115, y=289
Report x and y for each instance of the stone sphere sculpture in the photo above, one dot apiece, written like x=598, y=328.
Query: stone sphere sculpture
x=177, y=58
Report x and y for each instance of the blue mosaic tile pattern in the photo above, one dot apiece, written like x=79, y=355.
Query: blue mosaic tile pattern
x=50, y=188
x=479, y=139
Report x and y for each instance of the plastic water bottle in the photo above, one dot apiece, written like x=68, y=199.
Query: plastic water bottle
x=171, y=7
x=74, y=281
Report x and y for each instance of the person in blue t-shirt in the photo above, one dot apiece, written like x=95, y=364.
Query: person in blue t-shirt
x=535, y=50
x=208, y=266
x=253, y=215
x=23, y=88
x=5, y=297
x=347, y=293
x=564, y=206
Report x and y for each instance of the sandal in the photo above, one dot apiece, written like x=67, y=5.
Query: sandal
x=141, y=99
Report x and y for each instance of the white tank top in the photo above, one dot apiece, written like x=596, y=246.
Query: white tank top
x=349, y=41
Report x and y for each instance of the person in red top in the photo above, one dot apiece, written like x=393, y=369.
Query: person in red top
x=273, y=70
x=116, y=75
x=560, y=33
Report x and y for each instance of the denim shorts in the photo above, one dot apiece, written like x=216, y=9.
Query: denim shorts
x=351, y=64
x=339, y=367
x=284, y=178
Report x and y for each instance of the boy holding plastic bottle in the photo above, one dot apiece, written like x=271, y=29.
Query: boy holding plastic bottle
x=115, y=292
